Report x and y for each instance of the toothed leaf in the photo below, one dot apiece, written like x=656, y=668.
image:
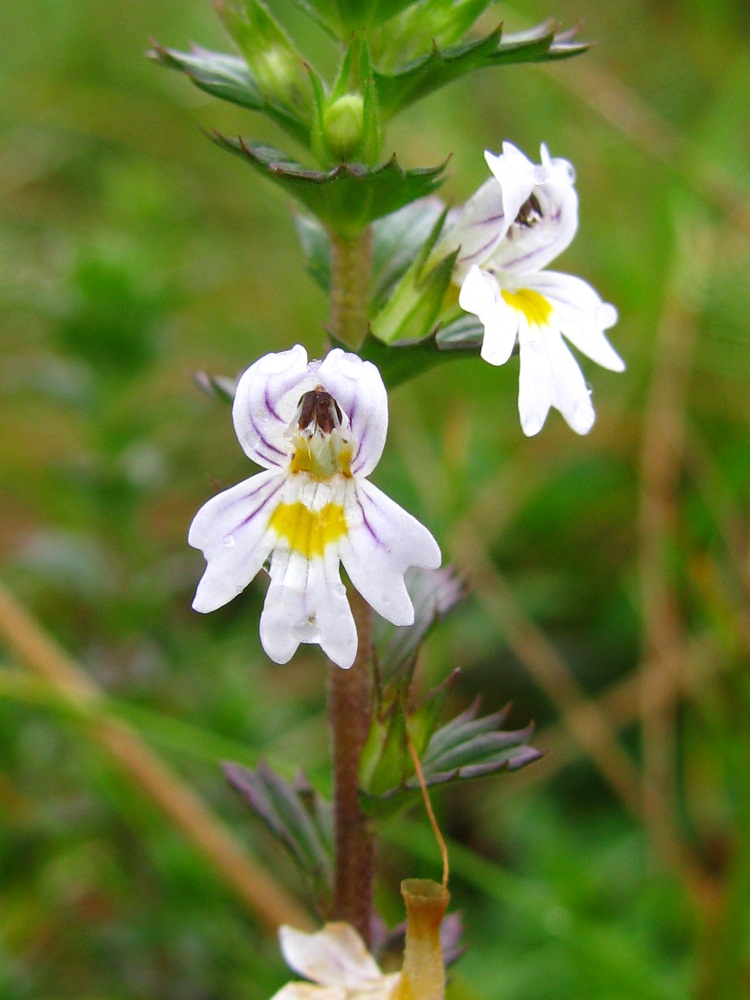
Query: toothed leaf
x=299, y=818
x=464, y=749
x=229, y=78
x=441, y=66
x=346, y=199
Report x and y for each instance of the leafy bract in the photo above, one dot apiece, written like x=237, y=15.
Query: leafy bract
x=465, y=748
x=410, y=83
x=295, y=814
x=349, y=197
x=229, y=78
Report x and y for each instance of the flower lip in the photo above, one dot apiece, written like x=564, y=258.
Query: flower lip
x=319, y=430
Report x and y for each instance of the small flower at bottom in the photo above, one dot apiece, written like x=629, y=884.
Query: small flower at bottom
x=335, y=959
x=319, y=430
x=514, y=225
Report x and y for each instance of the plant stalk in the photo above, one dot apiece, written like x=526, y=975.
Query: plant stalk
x=351, y=266
x=349, y=706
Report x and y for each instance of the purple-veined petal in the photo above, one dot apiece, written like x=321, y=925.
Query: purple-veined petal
x=357, y=387
x=477, y=228
x=531, y=244
x=334, y=956
x=231, y=529
x=581, y=315
x=265, y=403
x=480, y=295
x=383, y=541
x=550, y=376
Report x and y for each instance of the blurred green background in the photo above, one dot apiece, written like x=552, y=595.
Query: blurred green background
x=609, y=575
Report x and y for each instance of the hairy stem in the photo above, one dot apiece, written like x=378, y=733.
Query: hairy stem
x=351, y=265
x=349, y=701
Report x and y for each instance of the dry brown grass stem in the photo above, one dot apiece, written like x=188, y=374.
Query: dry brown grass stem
x=662, y=451
x=267, y=900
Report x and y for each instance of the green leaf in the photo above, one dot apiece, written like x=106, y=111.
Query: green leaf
x=440, y=22
x=295, y=814
x=229, y=78
x=385, y=756
x=416, y=80
x=356, y=14
x=316, y=249
x=346, y=199
x=464, y=749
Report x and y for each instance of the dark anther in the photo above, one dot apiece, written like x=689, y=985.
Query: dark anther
x=320, y=409
x=530, y=213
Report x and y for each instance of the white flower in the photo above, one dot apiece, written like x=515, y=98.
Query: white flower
x=337, y=960
x=319, y=430
x=514, y=225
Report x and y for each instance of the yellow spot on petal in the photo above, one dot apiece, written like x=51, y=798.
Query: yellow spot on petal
x=309, y=531
x=322, y=456
x=534, y=306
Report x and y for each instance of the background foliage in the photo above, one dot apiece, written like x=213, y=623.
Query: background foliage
x=610, y=575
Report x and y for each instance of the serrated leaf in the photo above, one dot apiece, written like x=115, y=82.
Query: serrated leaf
x=421, y=77
x=299, y=818
x=464, y=749
x=442, y=22
x=346, y=199
x=229, y=78
x=433, y=593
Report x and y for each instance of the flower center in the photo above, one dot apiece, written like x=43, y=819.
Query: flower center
x=530, y=213
x=531, y=304
x=309, y=531
x=320, y=436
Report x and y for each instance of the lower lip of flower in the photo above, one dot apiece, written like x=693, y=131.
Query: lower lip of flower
x=531, y=304
x=307, y=531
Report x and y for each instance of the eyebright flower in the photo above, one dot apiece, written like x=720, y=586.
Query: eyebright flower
x=337, y=960
x=318, y=430
x=508, y=232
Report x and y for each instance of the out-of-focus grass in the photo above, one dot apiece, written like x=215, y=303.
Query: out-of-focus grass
x=132, y=252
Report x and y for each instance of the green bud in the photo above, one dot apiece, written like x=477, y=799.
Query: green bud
x=343, y=123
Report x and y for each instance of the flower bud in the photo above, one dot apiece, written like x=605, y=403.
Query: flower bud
x=343, y=123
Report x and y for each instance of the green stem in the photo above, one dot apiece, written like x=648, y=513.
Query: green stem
x=349, y=691
x=349, y=701
x=351, y=267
